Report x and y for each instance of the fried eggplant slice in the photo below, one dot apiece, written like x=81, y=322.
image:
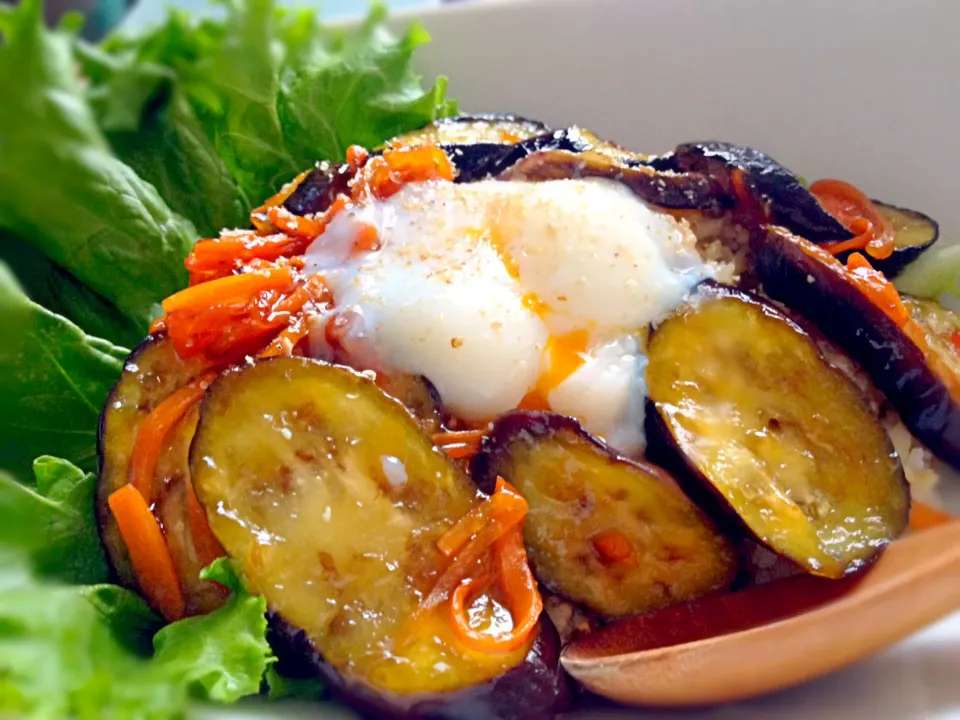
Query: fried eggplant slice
x=153, y=372
x=779, y=192
x=745, y=399
x=470, y=129
x=333, y=500
x=914, y=234
x=920, y=385
x=666, y=189
x=616, y=536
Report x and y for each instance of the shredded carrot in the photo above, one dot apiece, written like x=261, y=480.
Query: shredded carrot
x=259, y=217
x=230, y=289
x=459, y=444
x=872, y=231
x=875, y=286
x=286, y=341
x=205, y=543
x=298, y=226
x=518, y=584
x=924, y=517
x=156, y=427
x=385, y=175
x=507, y=509
x=211, y=259
x=466, y=528
x=148, y=550
x=614, y=547
x=357, y=156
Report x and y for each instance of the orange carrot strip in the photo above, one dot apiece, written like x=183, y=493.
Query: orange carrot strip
x=150, y=437
x=298, y=226
x=286, y=341
x=613, y=547
x=507, y=510
x=872, y=232
x=281, y=197
x=924, y=517
x=233, y=288
x=518, y=584
x=520, y=587
x=459, y=444
x=148, y=551
x=466, y=527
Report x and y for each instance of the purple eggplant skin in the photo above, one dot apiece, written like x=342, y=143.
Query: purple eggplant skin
x=786, y=200
x=320, y=188
x=536, y=689
x=914, y=234
x=821, y=292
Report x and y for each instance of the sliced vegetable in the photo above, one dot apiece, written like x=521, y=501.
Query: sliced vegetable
x=616, y=536
x=151, y=559
x=872, y=232
x=862, y=313
x=913, y=234
x=469, y=129
x=152, y=374
x=743, y=398
x=294, y=460
x=153, y=433
x=760, y=182
x=679, y=191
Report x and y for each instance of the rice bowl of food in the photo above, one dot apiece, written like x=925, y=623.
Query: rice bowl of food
x=436, y=396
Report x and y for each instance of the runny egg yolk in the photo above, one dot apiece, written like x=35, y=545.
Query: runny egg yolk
x=510, y=294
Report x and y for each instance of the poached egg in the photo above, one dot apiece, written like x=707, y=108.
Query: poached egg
x=509, y=294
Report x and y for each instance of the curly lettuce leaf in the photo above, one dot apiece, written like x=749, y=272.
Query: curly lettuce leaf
x=276, y=91
x=354, y=87
x=96, y=651
x=54, y=522
x=215, y=671
x=62, y=189
x=54, y=382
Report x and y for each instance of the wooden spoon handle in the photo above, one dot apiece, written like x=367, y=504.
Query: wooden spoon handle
x=731, y=656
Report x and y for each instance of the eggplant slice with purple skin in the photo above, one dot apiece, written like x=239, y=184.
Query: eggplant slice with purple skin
x=914, y=234
x=615, y=536
x=333, y=500
x=780, y=193
x=562, y=154
x=816, y=285
x=743, y=401
x=152, y=373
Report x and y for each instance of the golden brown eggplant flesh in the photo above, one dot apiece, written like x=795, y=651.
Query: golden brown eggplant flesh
x=913, y=234
x=615, y=536
x=923, y=390
x=151, y=374
x=743, y=398
x=333, y=499
x=470, y=129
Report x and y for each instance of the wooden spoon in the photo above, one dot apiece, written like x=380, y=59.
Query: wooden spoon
x=770, y=637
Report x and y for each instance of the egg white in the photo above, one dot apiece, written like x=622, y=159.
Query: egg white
x=471, y=280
